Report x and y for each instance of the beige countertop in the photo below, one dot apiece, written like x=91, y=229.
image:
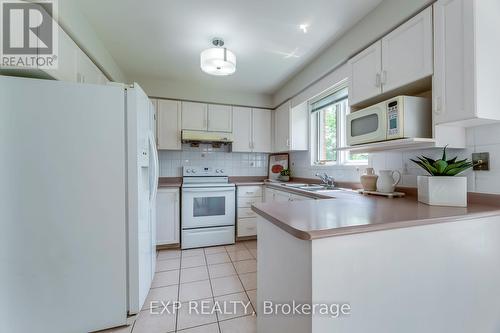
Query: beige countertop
x=347, y=212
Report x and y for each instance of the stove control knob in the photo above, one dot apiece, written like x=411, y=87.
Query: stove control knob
x=217, y=171
x=193, y=170
x=188, y=171
x=221, y=171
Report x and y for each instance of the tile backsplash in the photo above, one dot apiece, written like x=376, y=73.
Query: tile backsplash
x=236, y=164
x=479, y=139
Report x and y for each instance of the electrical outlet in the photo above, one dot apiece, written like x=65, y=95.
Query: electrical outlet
x=482, y=160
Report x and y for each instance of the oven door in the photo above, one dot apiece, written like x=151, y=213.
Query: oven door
x=208, y=207
x=367, y=125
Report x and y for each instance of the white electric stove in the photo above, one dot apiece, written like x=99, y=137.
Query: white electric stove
x=208, y=208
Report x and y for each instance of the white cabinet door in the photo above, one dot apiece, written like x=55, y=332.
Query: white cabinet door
x=268, y=195
x=365, y=69
x=167, y=216
x=282, y=128
x=169, y=124
x=86, y=70
x=299, y=127
x=242, y=129
x=67, y=58
x=220, y=118
x=296, y=197
x=466, y=63
x=262, y=130
x=194, y=116
x=281, y=196
x=407, y=52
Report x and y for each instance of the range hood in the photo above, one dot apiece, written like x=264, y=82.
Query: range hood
x=206, y=137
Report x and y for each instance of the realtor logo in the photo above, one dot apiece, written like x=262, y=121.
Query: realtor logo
x=28, y=34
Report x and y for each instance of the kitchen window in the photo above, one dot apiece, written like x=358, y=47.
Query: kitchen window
x=328, y=127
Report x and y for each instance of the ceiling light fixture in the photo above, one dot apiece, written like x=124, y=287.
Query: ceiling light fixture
x=218, y=60
x=304, y=27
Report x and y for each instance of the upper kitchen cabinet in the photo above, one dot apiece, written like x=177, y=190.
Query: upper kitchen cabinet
x=465, y=83
x=407, y=52
x=168, y=124
x=242, y=129
x=291, y=128
x=401, y=58
x=220, y=118
x=262, y=141
x=68, y=52
x=206, y=117
x=364, y=81
x=86, y=70
x=252, y=130
x=194, y=116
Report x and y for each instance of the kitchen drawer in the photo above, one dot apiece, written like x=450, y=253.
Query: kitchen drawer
x=247, y=202
x=246, y=212
x=249, y=191
x=247, y=227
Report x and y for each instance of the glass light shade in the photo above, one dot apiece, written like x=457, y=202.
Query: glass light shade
x=218, y=61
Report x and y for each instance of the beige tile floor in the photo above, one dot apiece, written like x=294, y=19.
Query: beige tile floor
x=215, y=274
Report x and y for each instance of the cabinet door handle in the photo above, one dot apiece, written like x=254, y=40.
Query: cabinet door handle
x=288, y=142
x=437, y=105
x=377, y=80
x=384, y=77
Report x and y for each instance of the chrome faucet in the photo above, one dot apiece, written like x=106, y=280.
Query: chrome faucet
x=326, y=179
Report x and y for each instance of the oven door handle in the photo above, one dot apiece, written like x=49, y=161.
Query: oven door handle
x=208, y=189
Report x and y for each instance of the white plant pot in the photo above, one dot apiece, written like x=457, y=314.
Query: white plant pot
x=442, y=191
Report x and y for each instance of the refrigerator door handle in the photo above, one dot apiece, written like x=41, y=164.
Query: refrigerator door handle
x=152, y=146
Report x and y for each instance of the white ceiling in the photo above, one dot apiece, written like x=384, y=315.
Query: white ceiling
x=162, y=39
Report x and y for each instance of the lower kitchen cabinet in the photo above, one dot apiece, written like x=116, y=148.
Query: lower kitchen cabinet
x=246, y=218
x=167, y=216
x=274, y=195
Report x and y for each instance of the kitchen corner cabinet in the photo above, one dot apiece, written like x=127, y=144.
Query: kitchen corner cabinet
x=252, y=130
x=168, y=113
x=402, y=57
x=465, y=82
x=206, y=117
x=291, y=128
x=167, y=216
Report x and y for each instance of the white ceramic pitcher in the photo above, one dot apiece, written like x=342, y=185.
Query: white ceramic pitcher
x=386, y=182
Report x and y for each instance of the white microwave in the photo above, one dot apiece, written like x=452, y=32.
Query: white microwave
x=397, y=118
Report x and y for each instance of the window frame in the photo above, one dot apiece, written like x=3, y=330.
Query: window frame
x=342, y=156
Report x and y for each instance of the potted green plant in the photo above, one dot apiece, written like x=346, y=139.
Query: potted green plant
x=442, y=187
x=285, y=175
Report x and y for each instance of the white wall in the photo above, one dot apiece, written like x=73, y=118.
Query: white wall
x=479, y=139
x=236, y=164
x=195, y=92
x=373, y=26
x=79, y=29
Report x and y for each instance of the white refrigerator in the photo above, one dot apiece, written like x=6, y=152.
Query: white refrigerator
x=78, y=178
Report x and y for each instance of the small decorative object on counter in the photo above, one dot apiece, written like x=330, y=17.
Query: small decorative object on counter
x=442, y=187
x=369, y=180
x=285, y=175
x=386, y=182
